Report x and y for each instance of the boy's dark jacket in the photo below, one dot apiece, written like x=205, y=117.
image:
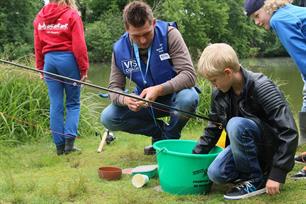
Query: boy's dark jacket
x=264, y=103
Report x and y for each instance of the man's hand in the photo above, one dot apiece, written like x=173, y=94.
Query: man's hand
x=152, y=93
x=132, y=103
x=272, y=187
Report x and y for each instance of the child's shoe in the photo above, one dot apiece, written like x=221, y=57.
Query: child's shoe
x=300, y=175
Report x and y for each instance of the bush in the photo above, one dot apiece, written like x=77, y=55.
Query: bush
x=16, y=18
x=14, y=51
x=100, y=37
x=99, y=41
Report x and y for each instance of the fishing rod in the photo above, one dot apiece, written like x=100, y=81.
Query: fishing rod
x=75, y=82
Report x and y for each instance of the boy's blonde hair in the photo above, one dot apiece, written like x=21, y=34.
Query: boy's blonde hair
x=215, y=58
x=70, y=3
x=271, y=6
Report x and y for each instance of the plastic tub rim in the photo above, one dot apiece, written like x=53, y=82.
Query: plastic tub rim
x=165, y=150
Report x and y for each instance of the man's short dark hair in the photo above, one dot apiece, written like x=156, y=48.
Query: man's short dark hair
x=137, y=13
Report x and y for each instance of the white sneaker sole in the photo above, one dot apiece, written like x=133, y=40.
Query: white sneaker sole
x=258, y=192
x=298, y=178
x=298, y=162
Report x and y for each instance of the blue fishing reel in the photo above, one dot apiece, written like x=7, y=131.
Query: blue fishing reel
x=105, y=95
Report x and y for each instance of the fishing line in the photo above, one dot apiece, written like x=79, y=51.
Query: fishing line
x=78, y=82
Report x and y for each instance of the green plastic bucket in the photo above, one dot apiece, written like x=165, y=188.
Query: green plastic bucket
x=180, y=171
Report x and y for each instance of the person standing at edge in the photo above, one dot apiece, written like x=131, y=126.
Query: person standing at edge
x=262, y=135
x=153, y=54
x=288, y=22
x=60, y=48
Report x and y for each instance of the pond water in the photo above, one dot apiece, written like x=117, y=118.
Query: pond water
x=284, y=73
x=281, y=70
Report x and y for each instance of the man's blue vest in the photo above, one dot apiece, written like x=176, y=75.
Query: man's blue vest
x=160, y=68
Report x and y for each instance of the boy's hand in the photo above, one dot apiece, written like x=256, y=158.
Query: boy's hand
x=272, y=187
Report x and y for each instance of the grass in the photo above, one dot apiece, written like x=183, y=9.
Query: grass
x=22, y=99
x=32, y=173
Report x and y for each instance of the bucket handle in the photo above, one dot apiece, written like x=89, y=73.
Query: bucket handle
x=163, y=149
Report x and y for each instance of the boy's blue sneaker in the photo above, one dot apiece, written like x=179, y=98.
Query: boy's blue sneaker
x=246, y=189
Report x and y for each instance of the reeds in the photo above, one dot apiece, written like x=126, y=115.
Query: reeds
x=204, y=103
x=24, y=108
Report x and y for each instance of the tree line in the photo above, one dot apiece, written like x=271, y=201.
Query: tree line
x=200, y=22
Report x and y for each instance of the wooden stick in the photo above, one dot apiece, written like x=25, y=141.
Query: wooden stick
x=102, y=142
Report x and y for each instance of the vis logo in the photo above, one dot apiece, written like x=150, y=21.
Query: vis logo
x=130, y=66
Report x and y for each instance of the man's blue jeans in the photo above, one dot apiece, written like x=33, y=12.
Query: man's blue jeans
x=62, y=63
x=239, y=159
x=146, y=122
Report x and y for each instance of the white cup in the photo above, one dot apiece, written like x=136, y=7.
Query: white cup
x=139, y=180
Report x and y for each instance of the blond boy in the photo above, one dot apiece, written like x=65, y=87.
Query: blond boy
x=261, y=131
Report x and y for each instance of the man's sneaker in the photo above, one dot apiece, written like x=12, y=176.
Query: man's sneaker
x=149, y=150
x=246, y=189
x=301, y=158
x=300, y=175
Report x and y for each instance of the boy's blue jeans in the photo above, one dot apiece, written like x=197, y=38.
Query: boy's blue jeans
x=239, y=159
x=145, y=122
x=62, y=63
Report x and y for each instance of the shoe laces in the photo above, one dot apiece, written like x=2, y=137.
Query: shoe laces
x=303, y=170
x=246, y=186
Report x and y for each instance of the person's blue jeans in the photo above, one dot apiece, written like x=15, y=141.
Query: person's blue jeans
x=238, y=160
x=62, y=63
x=146, y=122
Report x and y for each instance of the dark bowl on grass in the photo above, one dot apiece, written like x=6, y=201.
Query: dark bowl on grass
x=110, y=173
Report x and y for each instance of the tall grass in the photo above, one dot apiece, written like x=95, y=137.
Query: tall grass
x=24, y=108
x=204, y=103
x=205, y=97
x=91, y=107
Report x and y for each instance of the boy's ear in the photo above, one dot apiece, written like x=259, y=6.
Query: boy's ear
x=228, y=71
x=154, y=22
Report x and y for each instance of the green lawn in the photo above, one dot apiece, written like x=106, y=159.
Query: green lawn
x=34, y=174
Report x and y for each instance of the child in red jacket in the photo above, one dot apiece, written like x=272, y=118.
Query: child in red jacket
x=60, y=48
